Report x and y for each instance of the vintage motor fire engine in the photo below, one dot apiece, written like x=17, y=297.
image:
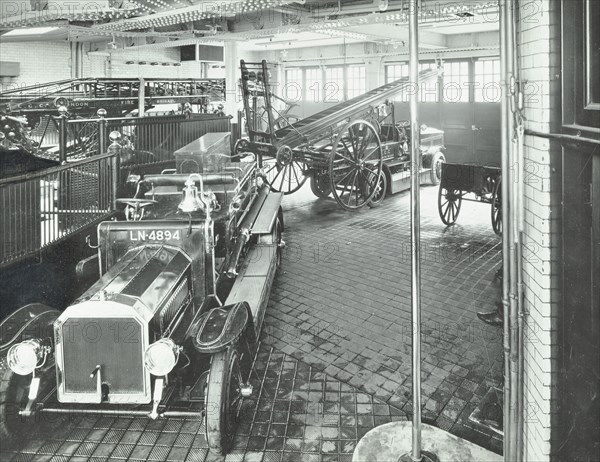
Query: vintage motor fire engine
x=170, y=327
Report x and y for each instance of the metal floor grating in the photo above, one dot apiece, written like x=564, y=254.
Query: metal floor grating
x=296, y=414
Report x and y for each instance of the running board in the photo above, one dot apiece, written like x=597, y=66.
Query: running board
x=401, y=180
x=253, y=284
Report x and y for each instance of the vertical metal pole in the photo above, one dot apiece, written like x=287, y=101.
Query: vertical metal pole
x=62, y=139
x=506, y=257
x=415, y=235
x=101, y=135
x=141, y=98
x=511, y=228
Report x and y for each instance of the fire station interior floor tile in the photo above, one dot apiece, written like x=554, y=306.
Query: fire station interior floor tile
x=342, y=303
x=335, y=357
x=296, y=413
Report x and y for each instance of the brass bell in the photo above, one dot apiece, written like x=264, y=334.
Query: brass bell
x=190, y=201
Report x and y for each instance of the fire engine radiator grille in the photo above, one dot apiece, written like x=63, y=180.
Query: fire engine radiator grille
x=115, y=344
x=180, y=296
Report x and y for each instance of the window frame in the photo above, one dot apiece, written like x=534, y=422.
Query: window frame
x=476, y=90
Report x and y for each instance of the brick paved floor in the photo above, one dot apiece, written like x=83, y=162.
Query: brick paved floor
x=342, y=306
x=296, y=414
x=342, y=303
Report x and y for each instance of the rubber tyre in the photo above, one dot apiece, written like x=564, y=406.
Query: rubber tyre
x=436, y=167
x=496, y=211
x=14, y=389
x=320, y=185
x=278, y=238
x=378, y=197
x=221, y=416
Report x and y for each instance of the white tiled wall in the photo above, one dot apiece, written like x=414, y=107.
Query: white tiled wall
x=541, y=238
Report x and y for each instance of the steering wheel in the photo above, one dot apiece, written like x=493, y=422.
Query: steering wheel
x=136, y=203
x=135, y=207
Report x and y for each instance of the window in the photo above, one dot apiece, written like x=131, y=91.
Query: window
x=428, y=91
x=487, y=81
x=357, y=81
x=456, y=82
x=314, y=85
x=394, y=72
x=580, y=68
x=293, y=85
x=334, y=85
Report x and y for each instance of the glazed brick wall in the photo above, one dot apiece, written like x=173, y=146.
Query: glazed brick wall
x=40, y=61
x=541, y=232
x=49, y=61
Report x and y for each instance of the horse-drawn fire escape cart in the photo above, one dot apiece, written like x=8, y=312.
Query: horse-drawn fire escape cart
x=474, y=183
x=354, y=150
x=170, y=327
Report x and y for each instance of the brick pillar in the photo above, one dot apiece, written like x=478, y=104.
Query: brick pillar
x=541, y=239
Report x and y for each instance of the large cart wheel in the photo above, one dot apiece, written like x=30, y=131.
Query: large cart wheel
x=320, y=184
x=284, y=173
x=223, y=399
x=449, y=201
x=355, y=165
x=497, y=206
x=436, y=167
x=381, y=191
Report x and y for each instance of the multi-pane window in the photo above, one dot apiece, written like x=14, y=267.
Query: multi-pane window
x=356, y=81
x=292, y=89
x=428, y=91
x=395, y=72
x=334, y=85
x=456, y=82
x=314, y=85
x=487, y=81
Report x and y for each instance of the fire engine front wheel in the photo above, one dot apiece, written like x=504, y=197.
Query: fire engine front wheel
x=223, y=399
x=320, y=184
x=14, y=389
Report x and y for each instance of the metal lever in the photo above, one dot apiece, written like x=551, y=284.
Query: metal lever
x=156, y=397
x=98, y=374
x=34, y=387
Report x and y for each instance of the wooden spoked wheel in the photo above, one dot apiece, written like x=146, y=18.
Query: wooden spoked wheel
x=497, y=206
x=223, y=399
x=284, y=173
x=449, y=201
x=355, y=165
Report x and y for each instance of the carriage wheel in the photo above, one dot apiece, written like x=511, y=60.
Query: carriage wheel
x=449, y=201
x=223, y=399
x=497, y=207
x=355, y=165
x=381, y=190
x=320, y=184
x=284, y=173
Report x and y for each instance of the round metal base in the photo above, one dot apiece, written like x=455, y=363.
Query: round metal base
x=426, y=456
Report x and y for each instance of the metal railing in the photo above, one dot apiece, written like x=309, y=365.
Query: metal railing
x=154, y=139
x=41, y=208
